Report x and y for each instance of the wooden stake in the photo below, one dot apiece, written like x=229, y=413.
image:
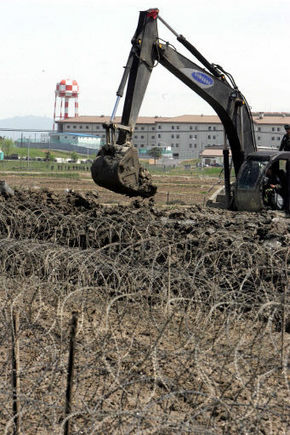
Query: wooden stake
x=15, y=372
x=70, y=373
x=283, y=325
x=169, y=281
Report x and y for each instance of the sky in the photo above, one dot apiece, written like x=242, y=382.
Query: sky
x=45, y=41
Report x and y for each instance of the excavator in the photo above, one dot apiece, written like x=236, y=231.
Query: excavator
x=117, y=167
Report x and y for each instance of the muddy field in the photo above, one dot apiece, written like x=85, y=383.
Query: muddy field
x=183, y=190
x=182, y=315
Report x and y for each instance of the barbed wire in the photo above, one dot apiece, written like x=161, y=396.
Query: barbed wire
x=179, y=318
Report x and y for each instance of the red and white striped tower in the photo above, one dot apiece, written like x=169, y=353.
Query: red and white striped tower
x=66, y=91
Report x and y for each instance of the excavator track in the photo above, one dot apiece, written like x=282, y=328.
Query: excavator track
x=117, y=168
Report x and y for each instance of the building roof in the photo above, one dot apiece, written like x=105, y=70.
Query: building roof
x=259, y=118
x=277, y=119
x=211, y=119
x=205, y=119
x=85, y=119
x=103, y=119
x=213, y=152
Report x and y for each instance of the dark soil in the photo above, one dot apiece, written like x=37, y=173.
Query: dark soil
x=182, y=315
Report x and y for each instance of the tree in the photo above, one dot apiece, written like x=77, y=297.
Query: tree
x=74, y=156
x=48, y=156
x=6, y=145
x=155, y=153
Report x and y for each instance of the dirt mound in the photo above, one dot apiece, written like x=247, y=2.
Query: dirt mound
x=239, y=244
x=245, y=252
x=183, y=314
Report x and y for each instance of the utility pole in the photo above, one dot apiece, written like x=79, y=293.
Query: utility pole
x=28, y=150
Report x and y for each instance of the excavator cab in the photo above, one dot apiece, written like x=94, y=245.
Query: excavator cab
x=253, y=191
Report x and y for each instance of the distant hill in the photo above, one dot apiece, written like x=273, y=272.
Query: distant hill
x=27, y=122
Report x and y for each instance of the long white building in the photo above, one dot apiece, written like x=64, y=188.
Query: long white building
x=187, y=135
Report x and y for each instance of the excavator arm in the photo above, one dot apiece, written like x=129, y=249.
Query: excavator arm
x=116, y=166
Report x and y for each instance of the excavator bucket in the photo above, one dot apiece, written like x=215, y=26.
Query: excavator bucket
x=117, y=168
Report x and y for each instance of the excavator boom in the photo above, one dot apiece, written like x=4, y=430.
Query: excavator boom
x=117, y=166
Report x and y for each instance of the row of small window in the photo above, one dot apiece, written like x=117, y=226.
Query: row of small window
x=177, y=136
x=177, y=127
x=189, y=146
x=97, y=127
x=172, y=145
x=79, y=126
x=273, y=138
x=273, y=129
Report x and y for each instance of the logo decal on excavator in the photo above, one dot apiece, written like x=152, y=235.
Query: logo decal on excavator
x=200, y=78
